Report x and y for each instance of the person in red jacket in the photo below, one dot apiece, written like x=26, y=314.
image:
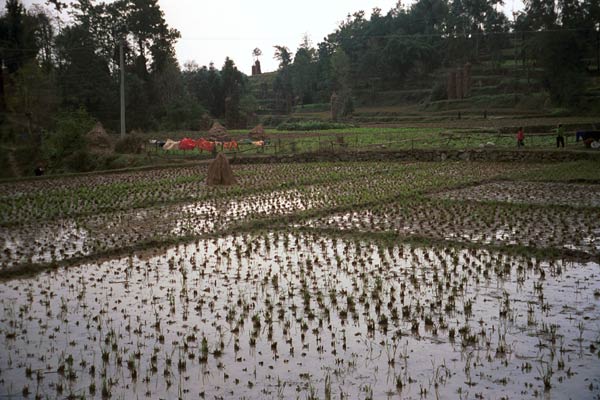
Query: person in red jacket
x=520, y=137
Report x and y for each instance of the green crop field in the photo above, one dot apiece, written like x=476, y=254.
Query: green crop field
x=370, y=138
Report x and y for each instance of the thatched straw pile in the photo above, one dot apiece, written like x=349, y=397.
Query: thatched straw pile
x=258, y=133
x=98, y=140
x=220, y=172
x=219, y=133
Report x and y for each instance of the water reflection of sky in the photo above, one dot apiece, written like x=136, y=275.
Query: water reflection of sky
x=44, y=243
x=55, y=241
x=214, y=289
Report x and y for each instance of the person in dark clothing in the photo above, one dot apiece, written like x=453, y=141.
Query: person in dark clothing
x=560, y=136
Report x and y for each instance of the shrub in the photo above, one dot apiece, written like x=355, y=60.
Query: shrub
x=347, y=106
x=438, y=92
x=130, y=144
x=79, y=161
x=273, y=120
x=66, y=139
x=118, y=161
x=314, y=107
x=5, y=169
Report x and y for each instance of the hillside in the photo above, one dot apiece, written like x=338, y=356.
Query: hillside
x=501, y=87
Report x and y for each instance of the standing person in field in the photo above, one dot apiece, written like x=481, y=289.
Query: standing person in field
x=560, y=136
x=520, y=137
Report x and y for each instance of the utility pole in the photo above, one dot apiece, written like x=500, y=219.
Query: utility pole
x=515, y=55
x=598, y=48
x=122, y=66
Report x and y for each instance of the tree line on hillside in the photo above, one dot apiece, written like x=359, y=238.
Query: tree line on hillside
x=389, y=51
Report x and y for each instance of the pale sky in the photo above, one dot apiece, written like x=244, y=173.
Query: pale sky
x=213, y=30
x=234, y=28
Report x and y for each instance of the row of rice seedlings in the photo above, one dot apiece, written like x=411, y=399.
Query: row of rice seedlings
x=575, y=195
x=76, y=195
x=36, y=200
x=474, y=222
x=36, y=242
x=56, y=241
x=485, y=223
x=103, y=231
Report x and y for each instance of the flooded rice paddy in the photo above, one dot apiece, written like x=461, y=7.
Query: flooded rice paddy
x=303, y=281
x=283, y=315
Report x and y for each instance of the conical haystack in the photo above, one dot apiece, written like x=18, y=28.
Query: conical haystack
x=220, y=172
x=217, y=129
x=98, y=140
x=218, y=133
x=258, y=133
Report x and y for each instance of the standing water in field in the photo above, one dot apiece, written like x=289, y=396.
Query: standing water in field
x=285, y=315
